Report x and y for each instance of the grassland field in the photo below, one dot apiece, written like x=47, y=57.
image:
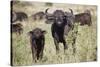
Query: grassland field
x=85, y=45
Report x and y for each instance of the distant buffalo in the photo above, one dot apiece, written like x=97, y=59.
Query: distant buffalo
x=49, y=17
x=18, y=16
x=37, y=40
x=84, y=18
x=38, y=16
x=16, y=28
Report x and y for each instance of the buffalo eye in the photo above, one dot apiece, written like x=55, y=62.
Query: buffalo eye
x=64, y=17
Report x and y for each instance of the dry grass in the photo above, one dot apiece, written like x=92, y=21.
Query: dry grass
x=85, y=43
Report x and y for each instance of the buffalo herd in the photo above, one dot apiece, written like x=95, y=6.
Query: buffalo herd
x=61, y=23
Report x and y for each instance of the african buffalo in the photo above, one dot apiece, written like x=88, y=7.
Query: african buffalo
x=60, y=21
x=18, y=16
x=70, y=21
x=17, y=28
x=37, y=40
x=38, y=16
x=83, y=18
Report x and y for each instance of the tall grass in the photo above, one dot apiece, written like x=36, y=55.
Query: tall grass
x=85, y=39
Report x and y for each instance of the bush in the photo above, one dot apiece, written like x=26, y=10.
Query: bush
x=49, y=4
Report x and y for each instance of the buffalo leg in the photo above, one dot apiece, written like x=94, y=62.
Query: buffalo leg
x=33, y=54
x=34, y=51
x=74, y=40
x=57, y=45
x=41, y=53
x=65, y=45
x=38, y=54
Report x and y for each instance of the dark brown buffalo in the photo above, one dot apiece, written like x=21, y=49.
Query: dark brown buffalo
x=60, y=21
x=38, y=16
x=18, y=16
x=83, y=18
x=37, y=40
x=17, y=28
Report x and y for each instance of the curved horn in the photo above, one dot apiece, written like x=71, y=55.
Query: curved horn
x=46, y=11
x=48, y=15
x=71, y=10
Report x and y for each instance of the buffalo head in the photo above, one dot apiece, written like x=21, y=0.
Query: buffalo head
x=56, y=17
x=59, y=17
x=70, y=18
x=36, y=33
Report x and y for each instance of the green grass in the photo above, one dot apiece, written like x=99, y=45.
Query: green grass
x=85, y=43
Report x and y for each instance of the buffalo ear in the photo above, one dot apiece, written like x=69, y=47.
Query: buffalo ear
x=30, y=32
x=44, y=32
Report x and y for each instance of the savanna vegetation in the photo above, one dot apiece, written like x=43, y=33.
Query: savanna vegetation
x=86, y=46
